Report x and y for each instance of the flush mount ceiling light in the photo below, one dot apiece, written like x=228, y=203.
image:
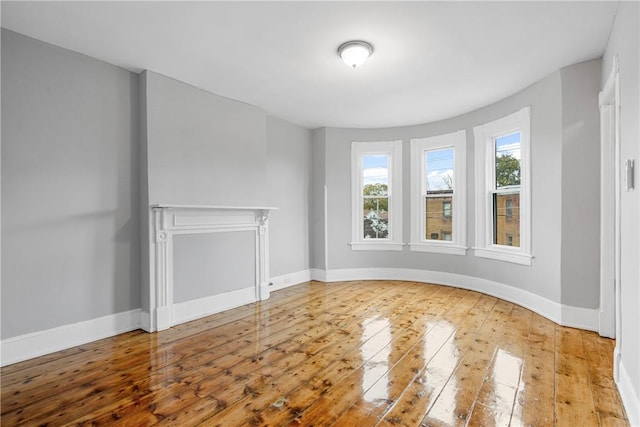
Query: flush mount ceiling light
x=355, y=52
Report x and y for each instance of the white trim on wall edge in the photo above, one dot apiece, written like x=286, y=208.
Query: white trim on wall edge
x=577, y=317
x=39, y=343
x=318, y=274
x=28, y=346
x=630, y=399
x=581, y=318
x=145, y=321
x=201, y=307
x=291, y=279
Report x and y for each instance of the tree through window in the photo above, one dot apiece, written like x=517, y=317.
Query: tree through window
x=377, y=192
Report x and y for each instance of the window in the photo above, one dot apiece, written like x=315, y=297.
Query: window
x=376, y=195
x=503, y=210
x=438, y=194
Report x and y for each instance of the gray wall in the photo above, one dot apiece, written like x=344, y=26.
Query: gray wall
x=203, y=149
x=143, y=203
x=87, y=146
x=317, y=218
x=288, y=183
x=197, y=274
x=70, y=229
x=581, y=184
x=548, y=130
x=625, y=42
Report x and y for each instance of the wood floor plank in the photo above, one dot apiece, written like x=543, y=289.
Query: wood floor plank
x=360, y=353
x=574, y=398
x=95, y=352
x=233, y=385
x=535, y=398
x=377, y=400
x=455, y=402
x=370, y=382
x=226, y=339
x=599, y=356
x=419, y=395
x=321, y=371
x=497, y=397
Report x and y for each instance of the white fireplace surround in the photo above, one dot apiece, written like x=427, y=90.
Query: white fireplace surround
x=165, y=222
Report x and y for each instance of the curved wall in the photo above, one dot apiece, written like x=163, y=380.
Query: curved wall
x=548, y=99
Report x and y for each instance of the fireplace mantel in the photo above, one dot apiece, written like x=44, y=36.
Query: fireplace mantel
x=168, y=220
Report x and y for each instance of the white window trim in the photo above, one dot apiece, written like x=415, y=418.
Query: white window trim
x=484, y=140
x=418, y=243
x=394, y=241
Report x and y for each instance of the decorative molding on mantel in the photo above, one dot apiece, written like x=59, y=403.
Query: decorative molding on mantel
x=167, y=220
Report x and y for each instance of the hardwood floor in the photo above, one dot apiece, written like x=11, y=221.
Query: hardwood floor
x=368, y=353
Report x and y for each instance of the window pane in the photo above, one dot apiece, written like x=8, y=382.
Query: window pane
x=375, y=174
x=506, y=219
x=439, y=170
x=376, y=218
x=507, y=160
x=439, y=211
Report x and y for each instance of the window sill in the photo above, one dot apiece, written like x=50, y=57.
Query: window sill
x=376, y=246
x=503, y=255
x=442, y=248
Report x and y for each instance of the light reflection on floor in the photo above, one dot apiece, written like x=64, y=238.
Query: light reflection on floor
x=375, y=381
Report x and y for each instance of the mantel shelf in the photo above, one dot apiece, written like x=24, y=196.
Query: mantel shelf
x=206, y=207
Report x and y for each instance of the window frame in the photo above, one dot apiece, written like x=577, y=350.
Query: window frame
x=485, y=136
x=394, y=240
x=418, y=242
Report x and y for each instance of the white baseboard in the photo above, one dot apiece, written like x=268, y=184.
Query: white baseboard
x=629, y=397
x=28, y=346
x=318, y=274
x=145, y=321
x=581, y=318
x=36, y=344
x=584, y=318
x=201, y=307
x=291, y=279
x=606, y=327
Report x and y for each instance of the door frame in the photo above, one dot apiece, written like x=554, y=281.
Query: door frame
x=610, y=235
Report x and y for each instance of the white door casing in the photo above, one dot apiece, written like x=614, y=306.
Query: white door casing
x=610, y=170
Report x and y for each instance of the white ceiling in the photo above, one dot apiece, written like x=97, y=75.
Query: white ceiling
x=432, y=60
